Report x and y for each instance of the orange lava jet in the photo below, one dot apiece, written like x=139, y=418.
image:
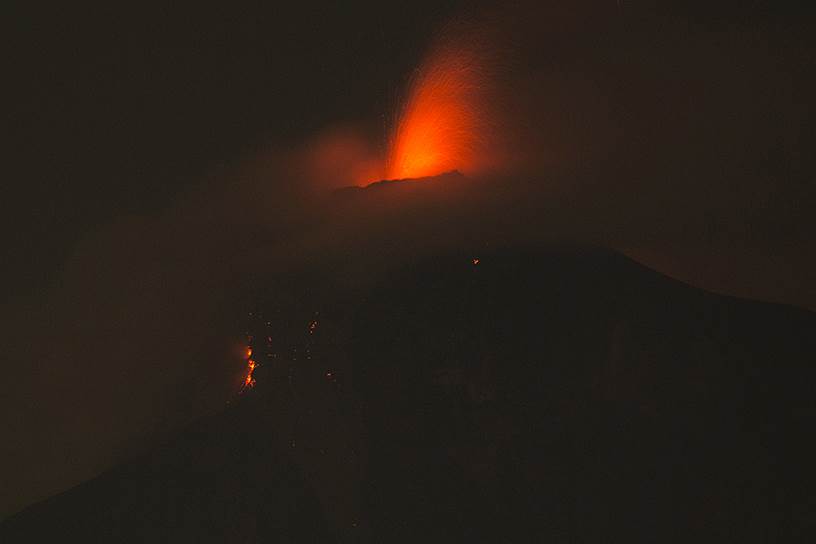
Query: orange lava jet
x=444, y=122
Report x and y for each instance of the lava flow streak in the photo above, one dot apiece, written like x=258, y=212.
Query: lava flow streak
x=249, y=381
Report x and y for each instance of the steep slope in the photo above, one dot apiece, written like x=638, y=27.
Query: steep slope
x=513, y=395
x=222, y=480
x=577, y=395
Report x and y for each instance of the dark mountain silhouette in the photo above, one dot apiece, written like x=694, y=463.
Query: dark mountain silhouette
x=571, y=396
x=225, y=479
x=504, y=396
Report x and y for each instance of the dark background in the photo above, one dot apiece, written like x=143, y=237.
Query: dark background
x=114, y=114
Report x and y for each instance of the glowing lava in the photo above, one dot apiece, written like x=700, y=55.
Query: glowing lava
x=249, y=380
x=444, y=121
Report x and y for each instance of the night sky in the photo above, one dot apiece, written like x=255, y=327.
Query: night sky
x=163, y=164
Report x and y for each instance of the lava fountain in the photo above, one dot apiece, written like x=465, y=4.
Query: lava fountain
x=445, y=123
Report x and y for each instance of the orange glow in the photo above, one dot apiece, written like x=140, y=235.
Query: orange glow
x=444, y=121
x=249, y=380
x=475, y=262
x=342, y=155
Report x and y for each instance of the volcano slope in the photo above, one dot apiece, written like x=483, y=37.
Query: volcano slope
x=220, y=480
x=507, y=396
x=579, y=396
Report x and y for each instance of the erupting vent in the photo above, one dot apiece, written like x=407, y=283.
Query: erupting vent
x=444, y=123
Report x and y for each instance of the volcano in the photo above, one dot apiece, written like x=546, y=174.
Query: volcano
x=507, y=395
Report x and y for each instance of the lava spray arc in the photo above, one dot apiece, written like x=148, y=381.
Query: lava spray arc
x=447, y=121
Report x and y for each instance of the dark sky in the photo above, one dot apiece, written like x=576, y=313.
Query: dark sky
x=142, y=177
